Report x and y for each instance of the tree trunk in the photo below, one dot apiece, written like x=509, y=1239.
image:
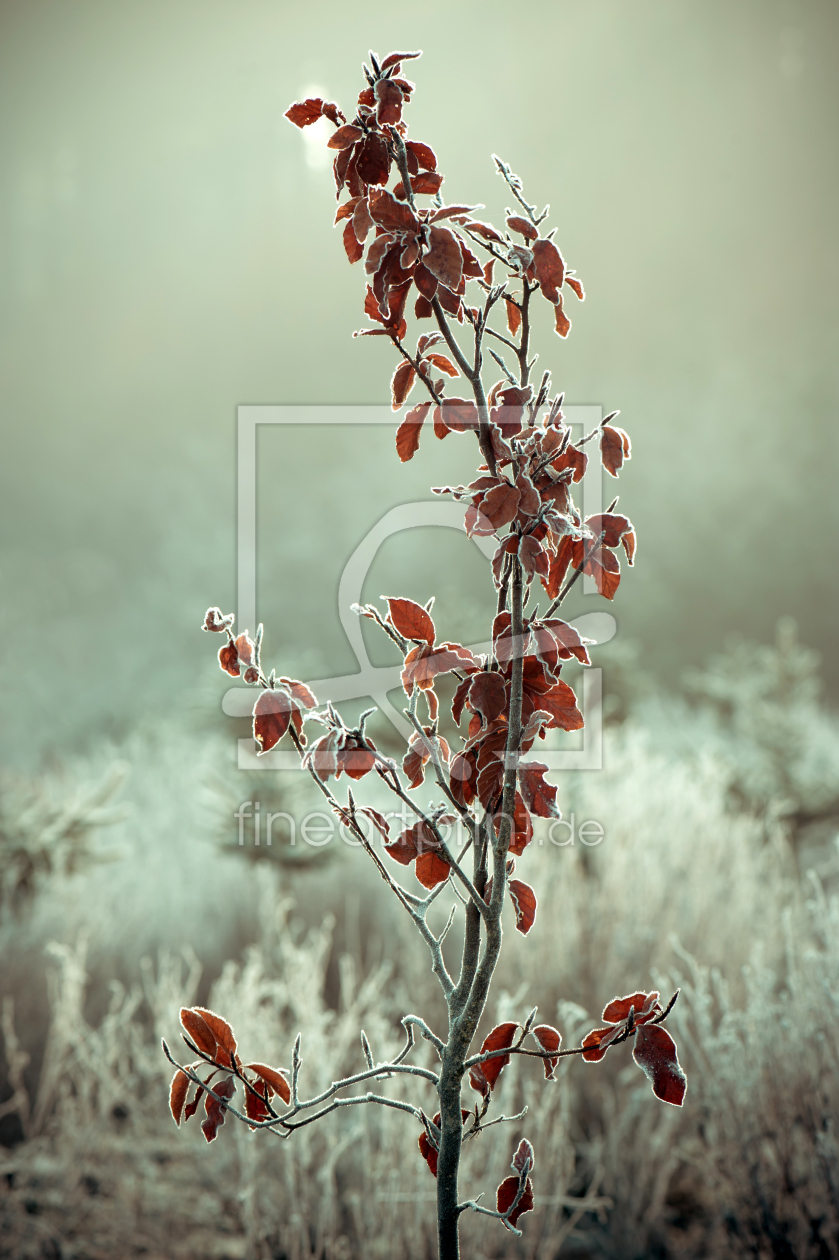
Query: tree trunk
x=448, y=1159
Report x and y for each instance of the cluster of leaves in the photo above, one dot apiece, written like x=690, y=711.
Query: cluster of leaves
x=211, y=1038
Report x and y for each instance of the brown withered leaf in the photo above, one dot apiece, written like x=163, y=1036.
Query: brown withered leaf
x=459, y=414
x=215, y=1111
x=524, y=903
x=445, y=365
x=539, y=796
x=411, y=620
x=523, y=226
x=563, y=323
x=501, y=504
x=392, y=215
x=177, y=1094
x=271, y=716
x=425, y=155
x=444, y=259
x=425, y=282
x=506, y=1195
x=431, y=869
x=373, y=162
x=487, y=695
x=352, y=246
x=199, y=1030
x=394, y=58
x=534, y=558
x=304, y=113
x=344, y=137
x=615, y=447
x=577, y=286
x=513, y=316
x=401, y=384
x=361, y=221
x=501, y=1038
x=216, y=621
x=655, y=1052
x=522, y=827
x=228, y=659
x=548, y=1038
x=408, y=433
x=273, y=1078
x=561, y=703
x=549, y=269
x=389, y=107
x=428, y=182
x=486, y=230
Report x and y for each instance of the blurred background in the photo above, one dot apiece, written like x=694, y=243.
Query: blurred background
x=166, y=254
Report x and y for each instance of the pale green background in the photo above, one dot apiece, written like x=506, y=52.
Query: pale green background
x=166, y=253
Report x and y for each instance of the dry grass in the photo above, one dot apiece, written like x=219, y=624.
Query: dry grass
x=696, y=884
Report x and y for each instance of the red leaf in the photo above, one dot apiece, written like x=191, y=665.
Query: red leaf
x=389, y=96
x=500, y=1038
x=408, y=433
x=533, y=557
x=539, y=797
x=304, y=113
x=594, y=1041
x=548, y=1039
x=411, y=620
x=424, y=155
x=274, y=1078
x=561, y=703
x=488, y=695
x=424, y=182
x=615, y=447
x=444, y=259
x=256, y=1104
x=215, y=1112
x=402, y=382
x=394, y=58
x=412, y=843
x=445, y=365
x=228, y=659
x=516, y=224
x=577, y=286
x=655, y=1053
x=549, y=268
x=431, y=869
x=412, y=767
x=198, y=1030
x=389, y=213
x=524, y=902
x=513, y=317
x=506, y=1195
x=271, y=716
x=459, y=414
x=486, y=230
x=563, y=323
x=352, y=246
x=214, y=620
x=646, y=1006
x=524, y=1157
x=373, y=163
x=429, y=1152
x=522, y=827
x=463, y=773
x=343, y=137
x=500, y=505
x=177, y=1095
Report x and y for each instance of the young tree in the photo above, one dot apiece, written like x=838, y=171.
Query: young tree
x=465, y=272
